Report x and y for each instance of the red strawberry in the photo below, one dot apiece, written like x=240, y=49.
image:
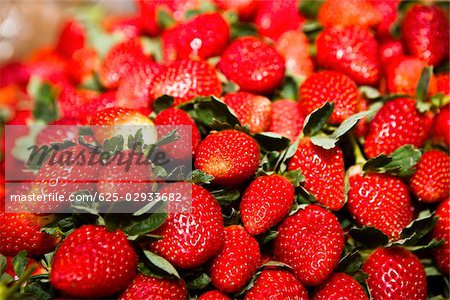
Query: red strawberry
x=244, y=8
x=71, y=99
x=266, y=201
x=379, y=200
x=127, y=26
x=98, y=103
x=23, y=232
x=64, y=129
x=93, y=262
x=82, y=65
x=273, y=18
x=443, y=83
x=146, y=287
x=396, y=124
x=177, y=119
x=362, y=126
x=71, y=38
x=253, y=65
x=441, y=126
x=330, y=86
x=431, y=181
x=14, y=73
x=190, y=239
x=186, y=79
x=425, y=31
x=388, y=10
x=277, y=284
x=395, y=273
x=214, y=295
x=31, y=262
x=442, y=231
x=311, y=242
x=390, y=50
x=287, y=119
x=340, y=286
x=252, y=110
x=147, y=16
x=318, y=165
x=349, y=13
x=236, y=262
x=352, y=51
x=231, y=156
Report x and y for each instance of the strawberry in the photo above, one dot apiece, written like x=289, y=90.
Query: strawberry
x=311, y=242
x=287, y=119
x=379, y=200
x=127, y=26
x=329, y=86
x=190, y=239
x=273, y=18
x=98, y=103
x=70, y=99
x=340, y=286
x=253, y=65
x=294, y=47
x=442, y=231
x=14, y=73
x=146, y=287
x=23, y=232
x=277, y=284
x=396, y=124
x=266, y=201
x=425, y=32
x=186, y=79
x=64, y=129
x=236, y=262
x=177, y=119
x=71, y=38
x=93, y=262
x=147, y=16
x=388, y=10
x=82, y=65
x=251, y=110
x=395, y=273
x=441, y=126
x=31, y=262
x=318, y=165
x=443, y=83
x=352, y=51
x=213, y=295
x=431, y=180
x=244, y=8
x=362, y=126
x=231, y=156
x=349, y=13
x=390, y=50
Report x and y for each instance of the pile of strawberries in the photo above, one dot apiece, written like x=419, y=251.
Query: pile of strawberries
x=320, y=139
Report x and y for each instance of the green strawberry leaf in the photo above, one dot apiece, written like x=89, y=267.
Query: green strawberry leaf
x=45, y=96
x=199, y=177
x=152, y=271
x=400, y=163
x=233, y=218
x=226, y=196
x=369, y=92
x=39, y=291
x=430, y=245
x=350, y=263
x=310, y=8
x=114, y=144
x=3, y=263
x=20, y=262
x=62, y=227
x=240, y=29
x=161, y=263
x=368, y=236
x=267, y=237
x=152, y=47
x=295, y=177
x=163, y=102
x=145, y=224
x=288, y=89
x=92, y=83
x=136, y=142
x=423, y=85
x=164, y=18
x=271, y=141
x=316, y=120
x=6, y=279
x=198, y=283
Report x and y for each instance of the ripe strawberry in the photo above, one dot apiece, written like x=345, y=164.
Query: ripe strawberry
x=23, y=232
x=93, y=262
x=396, y=124
x=82, y=65
x=277, y=284
x=177, y=119
x=443, y=83
x=231, y=156
x=441, y=126
x=64, y=129
x=390, y=50
x=379, y=200
x=287, y=119
x=186, y=79
x=213, y=295
x=266, y=201
x=70, y=99
x=273, y=18
x=253, y=65
x=442, y=231
x=203, y=36
x=431, y=181
x=147, y=16
x=332, y=87
x=252, y=110
x=244, y=8
x=71, y=38
x=395, y=273
x=294, y=47
x=340, y=286
x=349, y=13
x=146, y=287
x=190, y=239
x=318, y=165
x=98, y=103
x=127, y=26
x=388, y=10
x=14, y=73
x=311, y=242
x=236, y=262
x=362, y=126
x=352, y=51
x=425, y=32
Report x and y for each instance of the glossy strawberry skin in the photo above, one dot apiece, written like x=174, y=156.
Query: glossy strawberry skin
x=390, y=50
x=277, y=284
x=252, y=64
x=232, y=157
x=213, y=295
x=266, y=201
x=340, y=286
x=395, y=273
x=329, y=86
x=93, y=262
x=318, y=165
x=236, y=262
x=187, y=246
x=352, y=51
x=349, y=13
x=441, y=126
x=425, y=32
x=388, y=10
x=396, y=124
x=442, y=231
x=311, y=242
x=287, y=119
x=146, y=287
x=252, y=110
